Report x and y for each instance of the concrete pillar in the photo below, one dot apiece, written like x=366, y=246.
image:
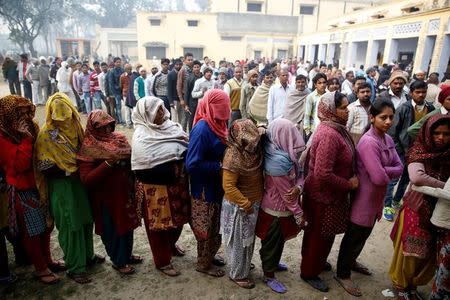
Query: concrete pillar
x=421, y=47
x=390, y=50
x=441, y=53
x=372, y=51
x=351, y=52
x=331, y=49
x=321, y=55
x=311, y=53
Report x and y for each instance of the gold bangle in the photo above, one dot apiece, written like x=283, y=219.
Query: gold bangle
x=106, y=162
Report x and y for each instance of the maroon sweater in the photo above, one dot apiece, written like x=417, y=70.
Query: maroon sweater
x=110, y=188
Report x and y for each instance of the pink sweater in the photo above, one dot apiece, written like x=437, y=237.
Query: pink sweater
x=377, y=164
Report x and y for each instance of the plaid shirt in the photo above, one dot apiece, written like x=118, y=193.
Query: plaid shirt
x=160, y=84
x=358, y=118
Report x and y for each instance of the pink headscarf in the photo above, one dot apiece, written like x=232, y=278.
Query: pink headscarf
x=215, y=109
x=285, y=135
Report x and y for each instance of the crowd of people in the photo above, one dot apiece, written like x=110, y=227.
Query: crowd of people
x=241, y=151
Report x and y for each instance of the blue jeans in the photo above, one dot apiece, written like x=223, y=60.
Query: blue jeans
x=97, y=100
x=118, y=99
x=402, y=185
x=87, y=101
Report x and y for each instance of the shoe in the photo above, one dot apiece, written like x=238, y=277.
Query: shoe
x=317, y=283
x=388, y=213
x=275, y=285
x=327, y=267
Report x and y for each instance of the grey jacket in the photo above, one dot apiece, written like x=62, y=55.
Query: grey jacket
x=44, y=75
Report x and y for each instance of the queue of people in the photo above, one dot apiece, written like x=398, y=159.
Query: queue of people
x=288, y=158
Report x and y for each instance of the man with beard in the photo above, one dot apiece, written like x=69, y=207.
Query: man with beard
x=248, y=89
x=294, y=108
x=182, y=76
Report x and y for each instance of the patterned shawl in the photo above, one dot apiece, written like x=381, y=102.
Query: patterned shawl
x=58, y=141
x=13, y=109
x=243, y=155
x=98, y=145
x=154, y=144
x=327, y=115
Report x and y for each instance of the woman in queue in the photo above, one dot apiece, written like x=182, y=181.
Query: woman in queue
x=158, y=152
x=104, y=160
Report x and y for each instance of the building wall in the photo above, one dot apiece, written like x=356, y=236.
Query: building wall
x=404, y=32
x=175, y=34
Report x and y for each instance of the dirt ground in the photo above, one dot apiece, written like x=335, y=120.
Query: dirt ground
x=150, y=283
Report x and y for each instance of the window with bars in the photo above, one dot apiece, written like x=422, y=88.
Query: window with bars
x=307, y=9
x=254, y=7
x=155, y=22
x=192, y=23
x=196, y=52
x=152, y=52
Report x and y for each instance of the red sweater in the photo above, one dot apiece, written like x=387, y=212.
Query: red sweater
x=110, y=188
x=16, y=160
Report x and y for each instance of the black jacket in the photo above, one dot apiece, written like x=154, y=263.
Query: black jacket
x=190, y=81
x=172, y=86
x=403, y=119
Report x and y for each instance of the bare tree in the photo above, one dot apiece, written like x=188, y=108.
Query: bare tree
x=26, y=18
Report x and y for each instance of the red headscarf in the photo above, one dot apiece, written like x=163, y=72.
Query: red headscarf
x=215, y=109
x=99, y=145
x=445, y=92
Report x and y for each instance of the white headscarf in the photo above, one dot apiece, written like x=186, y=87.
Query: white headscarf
x=154, y=144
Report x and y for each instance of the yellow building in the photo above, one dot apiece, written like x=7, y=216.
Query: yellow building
x=236, y=29
x=409, y=31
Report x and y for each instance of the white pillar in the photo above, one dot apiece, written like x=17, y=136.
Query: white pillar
x=351, y=52
x=372, y=51
x=390, y=50
x=322, y=52
x=427, y=53
x=331, y=49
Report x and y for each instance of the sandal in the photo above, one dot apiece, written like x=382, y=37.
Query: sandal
x=124, y=270
x=275, y=285
x=96, y=260
x=211, y=271
x=360, y=268
x=169, y=270
x=81, y=278
x=55, y=278
x=135, y=260
x=218, y=261
x=349, y=286
x=178, y=251
x=244, y=283
x=57, y=266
